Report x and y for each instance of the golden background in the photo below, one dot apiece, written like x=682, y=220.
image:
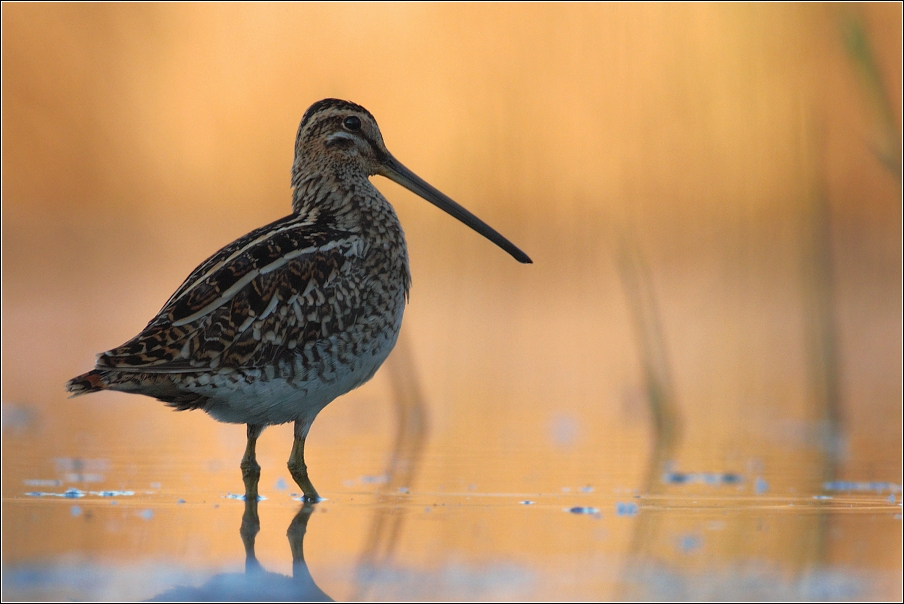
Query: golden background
x=711, y=195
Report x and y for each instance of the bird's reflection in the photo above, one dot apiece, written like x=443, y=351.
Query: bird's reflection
x=257, y=584
x=381, y=541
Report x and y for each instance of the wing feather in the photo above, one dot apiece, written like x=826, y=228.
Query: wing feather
x=262, y=296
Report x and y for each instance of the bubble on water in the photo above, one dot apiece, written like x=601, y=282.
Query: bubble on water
x=146, y=514
x=71, y=493
x=674, y=478
x=281, y=484
x=241, y=497
x=625, y=509
x=378, y=479
x=563, y=430
x=710, y=478
x=584, y=510
x=75, y=511
x=689, y=543
x=527, y=502
x=760, y=486
x=113, y=493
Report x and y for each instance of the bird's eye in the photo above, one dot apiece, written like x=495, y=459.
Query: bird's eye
x=352, y=123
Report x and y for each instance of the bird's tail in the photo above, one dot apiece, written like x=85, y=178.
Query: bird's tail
x=93, y=381
x=159, y=386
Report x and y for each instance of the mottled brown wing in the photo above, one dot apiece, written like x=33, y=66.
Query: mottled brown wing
x=261, y=297
x=227, y=252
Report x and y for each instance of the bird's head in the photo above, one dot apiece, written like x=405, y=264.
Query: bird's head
x=341, y=134
x=344, y=138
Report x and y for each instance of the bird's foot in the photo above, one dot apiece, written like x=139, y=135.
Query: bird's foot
x=301, y=479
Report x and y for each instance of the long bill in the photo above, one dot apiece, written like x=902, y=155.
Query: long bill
x=395, y=171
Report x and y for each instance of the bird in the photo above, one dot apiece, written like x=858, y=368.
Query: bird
x=280, y=322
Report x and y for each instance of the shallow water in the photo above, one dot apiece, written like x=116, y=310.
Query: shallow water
x=118, y=525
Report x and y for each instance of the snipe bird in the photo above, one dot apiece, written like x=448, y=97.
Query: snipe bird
x=280, y=322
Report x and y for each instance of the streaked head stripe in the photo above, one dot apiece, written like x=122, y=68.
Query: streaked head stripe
x=330, y=107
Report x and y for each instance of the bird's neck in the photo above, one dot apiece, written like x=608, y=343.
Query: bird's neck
x=349, y=202
x=345, y=200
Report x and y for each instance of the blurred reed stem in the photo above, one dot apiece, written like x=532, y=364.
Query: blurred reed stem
x=820, y=326
x=859, y=49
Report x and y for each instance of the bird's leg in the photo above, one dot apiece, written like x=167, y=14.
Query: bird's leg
x=251, y=526
x=296, y=532
x=251, y=470
x=297, y=467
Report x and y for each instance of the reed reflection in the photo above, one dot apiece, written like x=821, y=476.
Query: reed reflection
x=817, y=460
x=648, y=330
x=256, y=583
x=660, y=393
x=408, y=449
